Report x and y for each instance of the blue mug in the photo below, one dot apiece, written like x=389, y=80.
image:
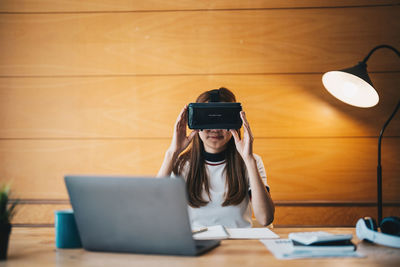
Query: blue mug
x=67, y=235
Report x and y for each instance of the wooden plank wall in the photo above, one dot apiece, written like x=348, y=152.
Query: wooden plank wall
x=95, y=87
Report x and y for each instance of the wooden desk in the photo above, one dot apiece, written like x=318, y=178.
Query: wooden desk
x=35, y=247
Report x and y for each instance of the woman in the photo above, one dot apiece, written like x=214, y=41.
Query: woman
x=221, y=172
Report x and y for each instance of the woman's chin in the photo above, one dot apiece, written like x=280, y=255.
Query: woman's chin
x=216, y=146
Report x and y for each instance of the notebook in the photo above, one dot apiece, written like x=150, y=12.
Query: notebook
x=134, y=215
x=345, y=245
x=221, y=232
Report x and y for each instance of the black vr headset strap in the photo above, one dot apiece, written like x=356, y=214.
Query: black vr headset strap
x=214, y=95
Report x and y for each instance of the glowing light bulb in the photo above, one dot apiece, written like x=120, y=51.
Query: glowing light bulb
x=349, y=89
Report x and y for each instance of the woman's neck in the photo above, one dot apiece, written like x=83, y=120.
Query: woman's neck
x=214, y=157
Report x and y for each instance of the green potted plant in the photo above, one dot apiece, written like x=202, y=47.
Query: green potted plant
x=7, y=211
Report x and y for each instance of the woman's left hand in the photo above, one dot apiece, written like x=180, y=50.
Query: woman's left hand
x=245, y=145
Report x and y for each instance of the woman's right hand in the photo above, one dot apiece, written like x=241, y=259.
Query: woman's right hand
x=180, y=139
x=180, y=142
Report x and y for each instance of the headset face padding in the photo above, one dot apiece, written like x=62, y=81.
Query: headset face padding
x=391, y=226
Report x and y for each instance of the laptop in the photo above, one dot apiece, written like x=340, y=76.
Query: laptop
x=134, y=215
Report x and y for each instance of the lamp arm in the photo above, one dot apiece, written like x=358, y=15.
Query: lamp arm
x=379, y=168
x=379, y=47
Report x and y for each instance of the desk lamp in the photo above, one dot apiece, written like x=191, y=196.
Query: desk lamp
x=354, y=87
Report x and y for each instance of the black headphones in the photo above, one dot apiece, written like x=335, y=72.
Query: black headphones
x=366, y=229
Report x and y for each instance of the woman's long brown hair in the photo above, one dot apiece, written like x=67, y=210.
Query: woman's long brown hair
x=197, y=179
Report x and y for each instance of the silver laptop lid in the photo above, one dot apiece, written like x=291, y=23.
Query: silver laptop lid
x=131, y=214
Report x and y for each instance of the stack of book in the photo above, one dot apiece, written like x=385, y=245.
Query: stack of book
x=313, y=244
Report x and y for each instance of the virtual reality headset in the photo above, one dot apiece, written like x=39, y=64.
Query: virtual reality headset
x=214, y=115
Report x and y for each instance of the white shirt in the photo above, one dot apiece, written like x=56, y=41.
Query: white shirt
x=214, y=213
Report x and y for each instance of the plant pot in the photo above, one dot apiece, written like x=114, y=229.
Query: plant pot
x=5, y=230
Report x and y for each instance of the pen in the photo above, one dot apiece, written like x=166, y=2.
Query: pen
x=203, y=229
